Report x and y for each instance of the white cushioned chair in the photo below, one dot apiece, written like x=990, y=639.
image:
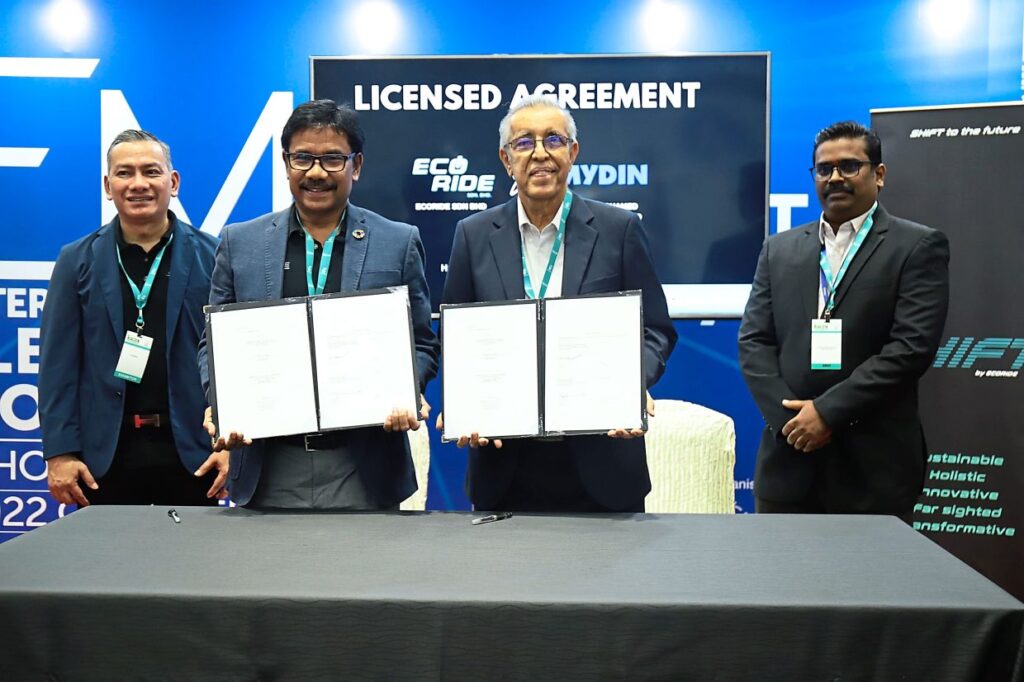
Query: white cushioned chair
x=419, y=442
x=691, y=453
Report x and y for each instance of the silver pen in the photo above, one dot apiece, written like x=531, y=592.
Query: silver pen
x=492, y=518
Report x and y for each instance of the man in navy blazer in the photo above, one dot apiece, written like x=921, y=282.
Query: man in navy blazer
x=844, y=436
x=115, y=433
x=350, y=249
x=605, y=250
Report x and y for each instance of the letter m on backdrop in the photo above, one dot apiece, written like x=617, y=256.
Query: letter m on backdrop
x=116, y=115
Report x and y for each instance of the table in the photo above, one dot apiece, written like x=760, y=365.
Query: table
x=124, y=592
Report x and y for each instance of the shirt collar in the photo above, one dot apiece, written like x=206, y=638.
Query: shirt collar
x=524, y=221
x=855, y=223
x=295, y=227
x=293, y=221
x=172, y=220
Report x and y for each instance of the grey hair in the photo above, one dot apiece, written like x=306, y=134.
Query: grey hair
x=534, y=100
x=132, y=135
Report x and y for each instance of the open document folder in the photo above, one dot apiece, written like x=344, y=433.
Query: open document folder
x=303, y=365
x=543, y=367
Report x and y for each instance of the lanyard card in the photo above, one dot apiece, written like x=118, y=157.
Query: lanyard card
x=826, y=344
x=134, y=356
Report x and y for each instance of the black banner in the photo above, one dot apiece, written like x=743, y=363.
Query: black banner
x=681, y=140
x=958, y=169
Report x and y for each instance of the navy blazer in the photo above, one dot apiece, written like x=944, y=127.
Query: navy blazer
x=892, y=302
x=81, y=402
x=250, y=267
x=605, y=251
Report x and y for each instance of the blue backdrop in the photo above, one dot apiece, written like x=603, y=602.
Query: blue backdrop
x=217, y=80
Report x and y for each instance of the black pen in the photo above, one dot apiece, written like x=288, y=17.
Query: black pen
x=492, y=518
x=173, y=513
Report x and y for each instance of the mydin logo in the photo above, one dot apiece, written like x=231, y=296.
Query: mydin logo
x=449, y=175
x=603, y=175
x=607, y=174
x=962, y=353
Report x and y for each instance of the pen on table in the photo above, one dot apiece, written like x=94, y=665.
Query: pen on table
x=492, y=518
x=173, y=513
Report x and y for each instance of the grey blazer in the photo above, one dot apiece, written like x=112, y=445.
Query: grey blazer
x=250, y=267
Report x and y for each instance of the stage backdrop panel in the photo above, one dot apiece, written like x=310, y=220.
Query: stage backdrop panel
x=958, y=169
x=681, y=140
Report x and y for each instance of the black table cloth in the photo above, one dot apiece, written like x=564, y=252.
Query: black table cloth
x=127, y=593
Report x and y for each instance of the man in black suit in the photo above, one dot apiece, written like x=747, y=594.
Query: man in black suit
x=844, y=317
x=605, y=250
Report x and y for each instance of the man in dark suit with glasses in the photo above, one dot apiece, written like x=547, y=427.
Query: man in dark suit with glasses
x=548, y=242
x=845, y=315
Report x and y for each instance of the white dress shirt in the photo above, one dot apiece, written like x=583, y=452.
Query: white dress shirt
x=836, y=246
x=537, y=243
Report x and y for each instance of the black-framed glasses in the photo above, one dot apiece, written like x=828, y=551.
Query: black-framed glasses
x=552, y=143
x=331, y=163
x=848, y=168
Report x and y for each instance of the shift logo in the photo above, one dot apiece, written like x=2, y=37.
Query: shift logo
x=449, y=175
x=963, y=353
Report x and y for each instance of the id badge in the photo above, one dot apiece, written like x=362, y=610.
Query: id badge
x=826, y=344
x=134, y=356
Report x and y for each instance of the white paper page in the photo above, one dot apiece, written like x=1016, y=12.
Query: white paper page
x=364, y=361
x=592, y=375
x=490, y=371
x=264, y=373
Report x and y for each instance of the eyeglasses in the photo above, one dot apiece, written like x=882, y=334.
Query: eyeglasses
x=848, y=168
x=525, y=145
x=331, y=163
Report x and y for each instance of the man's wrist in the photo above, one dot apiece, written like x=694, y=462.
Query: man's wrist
x=821, y=416
x=72, y=455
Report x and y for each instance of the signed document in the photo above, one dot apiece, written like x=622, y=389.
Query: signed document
x=307, y=365
x=491, y=377
x=365, y=365
x=262, y=379
x=593, y=379
x=539, y=368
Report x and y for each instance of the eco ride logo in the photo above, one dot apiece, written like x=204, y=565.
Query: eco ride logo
x=450, y=175
x=1004, y=355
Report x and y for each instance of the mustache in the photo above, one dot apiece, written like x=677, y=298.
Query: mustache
x=842, y=189
x=317, y=185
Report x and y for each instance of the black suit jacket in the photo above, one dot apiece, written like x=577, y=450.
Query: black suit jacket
x=892, y=302
x=605, y=251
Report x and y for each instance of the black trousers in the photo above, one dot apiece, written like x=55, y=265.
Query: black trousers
x=147, y=470
x=547, y=480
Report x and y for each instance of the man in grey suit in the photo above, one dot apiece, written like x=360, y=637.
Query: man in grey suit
x=324, y=244
x=845, y=315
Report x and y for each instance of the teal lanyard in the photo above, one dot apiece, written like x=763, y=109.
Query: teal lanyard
x=325, y=257
x=555, y=248
x=142, y=297
x=829, y=284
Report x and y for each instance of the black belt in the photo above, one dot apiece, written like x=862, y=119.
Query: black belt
x=312, y=442
x=144, y=421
